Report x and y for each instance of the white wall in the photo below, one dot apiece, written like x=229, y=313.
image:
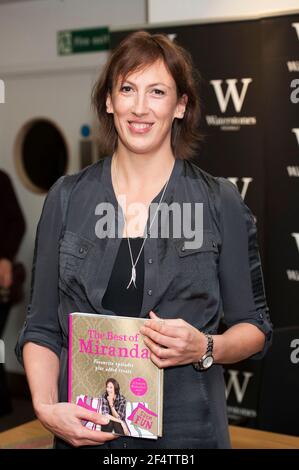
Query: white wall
x=201, y=10
x=28, y=29
x=38, y=83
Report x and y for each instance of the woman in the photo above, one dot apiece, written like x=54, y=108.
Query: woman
x=128, y=264
x=114, y=405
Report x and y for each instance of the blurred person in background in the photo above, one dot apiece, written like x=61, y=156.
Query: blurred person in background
x=12, y=229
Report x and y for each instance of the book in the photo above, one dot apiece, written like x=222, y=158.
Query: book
x=110, y=372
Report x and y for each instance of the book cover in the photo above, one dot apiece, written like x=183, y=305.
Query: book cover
x=110, y=372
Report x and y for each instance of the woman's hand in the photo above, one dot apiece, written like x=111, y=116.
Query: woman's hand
x=110, y=399
x=113, y=418
x=64, y=420
x=173, y=342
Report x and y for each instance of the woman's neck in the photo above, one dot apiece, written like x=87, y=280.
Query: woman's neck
x=140, y=171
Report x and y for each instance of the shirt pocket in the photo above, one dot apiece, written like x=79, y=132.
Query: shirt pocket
x=196, y=268
x=209, y=244
x=73, y=254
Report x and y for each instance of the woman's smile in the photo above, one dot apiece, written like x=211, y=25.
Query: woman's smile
x=137, y=127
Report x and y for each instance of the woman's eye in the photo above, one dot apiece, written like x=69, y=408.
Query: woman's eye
x=158, y=92
x=126, y=88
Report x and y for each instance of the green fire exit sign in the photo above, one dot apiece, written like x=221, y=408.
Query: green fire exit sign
x=83, y=40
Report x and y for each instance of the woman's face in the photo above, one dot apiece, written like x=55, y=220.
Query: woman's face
x=110, y=388
x=144, y=107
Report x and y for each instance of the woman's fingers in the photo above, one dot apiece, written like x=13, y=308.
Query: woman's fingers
x=163, y=328
x=92, y=416
x=171, y=342
x=162, y=363
x=168, y=327
x=170, y=333
x=164, y=341
x=88, y=437
x=97, y=436
x=165, y=338
x=158, y=350
x=65, y=421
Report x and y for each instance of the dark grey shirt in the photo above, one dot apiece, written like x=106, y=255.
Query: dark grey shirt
x=221, y=278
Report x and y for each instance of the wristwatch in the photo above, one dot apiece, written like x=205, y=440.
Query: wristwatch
x=207, y=359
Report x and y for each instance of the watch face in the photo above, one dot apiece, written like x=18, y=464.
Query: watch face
x=207, y=362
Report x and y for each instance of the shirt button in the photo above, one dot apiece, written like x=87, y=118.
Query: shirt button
x=183, y=248
x=150, y=292
x=261, y=315
x=125, y=445
x=150, y=261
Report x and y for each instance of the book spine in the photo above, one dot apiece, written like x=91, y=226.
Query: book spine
x=70, y=358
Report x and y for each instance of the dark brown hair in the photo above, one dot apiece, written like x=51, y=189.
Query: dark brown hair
x=115, y=385
x=136, y=51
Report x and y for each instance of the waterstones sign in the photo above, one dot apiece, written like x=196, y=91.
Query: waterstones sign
x=83, y=40
x=236, y=97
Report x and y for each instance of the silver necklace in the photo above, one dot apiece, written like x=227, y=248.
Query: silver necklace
x=133, y=271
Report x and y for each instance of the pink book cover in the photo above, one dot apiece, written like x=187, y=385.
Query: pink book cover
x=110, y=372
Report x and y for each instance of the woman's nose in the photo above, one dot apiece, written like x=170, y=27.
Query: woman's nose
x=140, y=105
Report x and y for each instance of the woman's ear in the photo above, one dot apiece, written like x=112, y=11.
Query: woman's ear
x=109, y=106
x=181, y=107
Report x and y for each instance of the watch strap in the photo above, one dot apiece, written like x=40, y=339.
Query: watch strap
x=209, y=352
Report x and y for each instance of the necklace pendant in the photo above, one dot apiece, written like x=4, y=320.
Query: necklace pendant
x=133, y=278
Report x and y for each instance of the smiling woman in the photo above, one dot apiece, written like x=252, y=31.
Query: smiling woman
x=147, y=103
x=142, y=107
x=155, y=75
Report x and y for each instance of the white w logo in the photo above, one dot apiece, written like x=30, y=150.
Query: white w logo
x=233, y=383
x=230, y=92
x=296, y=26
x=246, y=181
x=296, y=236
x=2, y=92
x=296, y=132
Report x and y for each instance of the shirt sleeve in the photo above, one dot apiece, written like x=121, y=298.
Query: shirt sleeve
x=240, y=270
x=122, y=408
x=105, y=406
x=42, y=325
